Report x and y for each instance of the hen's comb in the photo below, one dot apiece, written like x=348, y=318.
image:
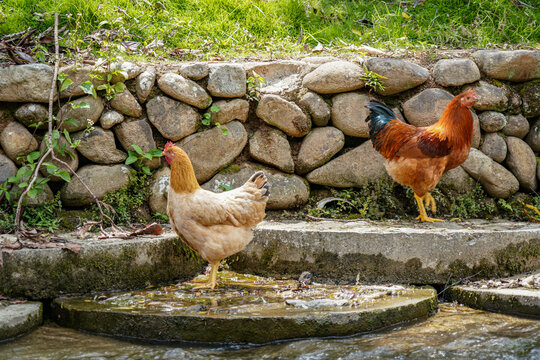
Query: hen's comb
x=168, y=145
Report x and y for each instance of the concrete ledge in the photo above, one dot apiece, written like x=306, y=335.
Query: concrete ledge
x=110, y=264
x=17, y=319
x=397, y=252
x=518, y=301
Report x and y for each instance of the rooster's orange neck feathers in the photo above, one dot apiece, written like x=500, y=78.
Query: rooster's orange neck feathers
x=455, y=125
x=183, y=177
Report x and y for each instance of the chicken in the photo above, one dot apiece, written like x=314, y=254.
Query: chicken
x=418, y=157
x=215, y=225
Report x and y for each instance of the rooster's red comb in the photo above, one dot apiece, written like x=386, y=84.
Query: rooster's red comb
x=168, y=145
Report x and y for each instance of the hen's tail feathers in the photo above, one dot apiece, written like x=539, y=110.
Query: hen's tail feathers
x=379, y=116
x=260, y=180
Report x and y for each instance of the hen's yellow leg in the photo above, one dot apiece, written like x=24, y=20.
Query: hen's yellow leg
x=423, y=215
x=213, y=275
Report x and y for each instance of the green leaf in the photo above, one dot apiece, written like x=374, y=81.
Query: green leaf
x=32, y=193
x=206, y=122
x=131, y=159
x=64, y=175
x=61, y=77
x=109, y=77
x=88, y=88
x=71, y=122
x=146, y=170
x=81, y=105
x=23, y=184
x=137, y=149
x=155, y=153
x=33, y=156
x=103, y=87
x=214, y=108
x=119, y=87
x=65, y=84
x=224, y=131
x=53, y=170
x=226, y=187
x=147, y=156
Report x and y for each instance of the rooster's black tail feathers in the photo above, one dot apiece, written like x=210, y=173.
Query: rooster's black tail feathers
x=379, y=116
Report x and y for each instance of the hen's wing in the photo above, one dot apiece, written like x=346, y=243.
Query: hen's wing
x=242, y=206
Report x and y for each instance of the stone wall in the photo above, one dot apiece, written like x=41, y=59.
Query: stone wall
x=308, y=127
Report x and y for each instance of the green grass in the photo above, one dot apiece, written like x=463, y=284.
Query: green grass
x=280, y=27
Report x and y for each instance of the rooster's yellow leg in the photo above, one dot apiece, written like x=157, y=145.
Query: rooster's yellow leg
x=423, y=215
x=430, y=201
x=213, y=275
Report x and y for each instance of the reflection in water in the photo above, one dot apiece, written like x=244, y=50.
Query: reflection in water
x=456, y=332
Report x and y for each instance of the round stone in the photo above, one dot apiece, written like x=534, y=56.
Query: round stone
x=494, y=146
x=492, y=121
x=517, y=126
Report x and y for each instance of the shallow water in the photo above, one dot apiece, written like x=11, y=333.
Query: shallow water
x=455, y=332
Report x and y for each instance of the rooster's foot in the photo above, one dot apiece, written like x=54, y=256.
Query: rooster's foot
x=428, y=219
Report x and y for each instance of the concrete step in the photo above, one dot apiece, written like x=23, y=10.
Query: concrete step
x=17, y=319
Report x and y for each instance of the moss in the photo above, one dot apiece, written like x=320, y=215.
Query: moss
x=231, y=169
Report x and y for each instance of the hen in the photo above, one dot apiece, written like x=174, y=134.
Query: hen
x=216, y=225
x=418, y=157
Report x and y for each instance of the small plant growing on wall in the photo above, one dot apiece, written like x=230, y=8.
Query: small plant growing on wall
x=254, y=84
x=207, y=119
x=373, y=80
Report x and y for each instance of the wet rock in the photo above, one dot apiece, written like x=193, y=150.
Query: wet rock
x=99, y=146
x=80, y=74
x=184, y=90
x=81, y=114
x=227, y=80
x=318, y=147
x=100, y=179
x=490, y=97
x=518, y=65
x=334, y=77
x=110, y=118
x=195, y=71
x=284, y=115
x=270, y=146
x=492, y=121
x=495, y=178
x=533, y=139
x=316, y=107
x=211, y=150
x=283, y=77
x=159, y=188
x=400, y=75
x=144, y=83
x=455, y=72
x=229, y=110
x=137, y=132
x=317, y=303
x=349, y=114
x=18, y=319
x=531, y=99
x=357, y=167
x=458, y=180
x=26, y=83
x=286, y=191
x=494, y=146
x=427, y=107
x=121, y=69
x=71, y=158
x=516, y=126
x=7, y=168
x=126, y=103
x=30, y=114
x=17, y=141
x=522, y=162
x=173, y=119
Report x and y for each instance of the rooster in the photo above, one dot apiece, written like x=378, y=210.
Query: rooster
x=418, y=157
x=215, y=225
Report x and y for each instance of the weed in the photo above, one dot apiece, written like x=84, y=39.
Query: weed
x=138, y=157
x=254, y=84
x=373, y=80
x=209, y=115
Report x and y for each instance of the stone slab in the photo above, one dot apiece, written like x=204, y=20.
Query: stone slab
x=18, y=319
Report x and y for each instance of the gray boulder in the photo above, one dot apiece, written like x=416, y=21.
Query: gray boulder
x=17, y=141
x=121, y=69
x=7, y=168
x=284, y=115
x=477, y=133
x=100, y=179
x=316, y=107
x=334, y=77
x=494, y=146
x=137, y=132
x=286, y=191
x=349, y=113
x=195, y=71
x=159, y=189
x=495, y=178
x=282, y=77
x=427, y=107
x=457, y=180
x=80, y=74
x=400, y=75
x=229, y=110
x=522, y=162
x=32, y=113
x=455, y=72
x=173, y=119
x=318, y=147
x=227, y=80
x=270, y=146
x=110, y=118
x=533, y=139
x=490, y=97
x=492, y=121
x=81, y=114
x=126, y=103
x=144, y=83
x=357, y=167
x=211, y=150
x=516, y=126
x=518, y=65
x=26, y=83
x=72, y=160
x=531, y=99
x=184, y=90
x=99, y=146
